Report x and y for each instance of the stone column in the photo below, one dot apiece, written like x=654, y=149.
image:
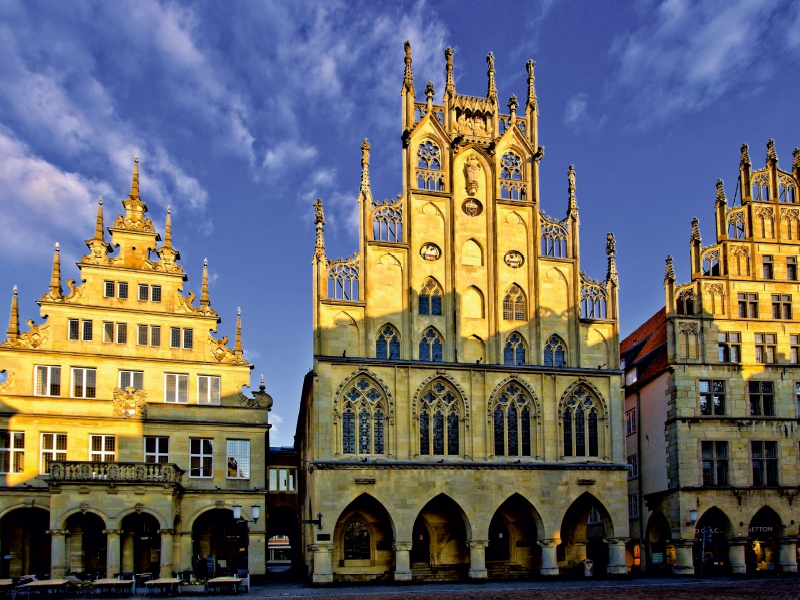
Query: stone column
x=58, y=553
x=177, y=565
x=402, y=561
x=616, y=556
x=684, y=559
x=477, y=559
x=323, y=572
x=112, y=552
x=186, y=549
x=257, y=553
x=788, y=554
x=736, y=548
x=549, y=560
x=580, y=550
x=127, y=553
x=166, y=552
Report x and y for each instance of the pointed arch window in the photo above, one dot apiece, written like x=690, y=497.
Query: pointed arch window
x=514, y=352
x=555, y=352
x=511, y=172
x=514, y=305
x=431, y=347
x=363, y=418
x=387, y=220
x=387, y=344
x=356, y=541
x=554, y=238
x=430, y=298
x=787, y=192
x=439, y=421
x=429, y=167
x=512, y=422
x=581, y=432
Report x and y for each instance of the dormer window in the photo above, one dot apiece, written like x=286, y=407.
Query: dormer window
x=631, y=376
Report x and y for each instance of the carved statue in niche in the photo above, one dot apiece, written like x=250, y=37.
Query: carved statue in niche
x=472, y=169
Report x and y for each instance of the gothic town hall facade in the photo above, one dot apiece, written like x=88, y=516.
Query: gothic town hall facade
x=464, y=415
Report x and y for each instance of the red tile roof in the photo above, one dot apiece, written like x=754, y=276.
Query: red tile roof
x=646, y=347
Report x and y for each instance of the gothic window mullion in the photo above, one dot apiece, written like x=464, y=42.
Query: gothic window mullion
x=364, y=437
x=438, y=433
x=499, y=432
x=511, y=424
x=452, y=433
x=424, y=434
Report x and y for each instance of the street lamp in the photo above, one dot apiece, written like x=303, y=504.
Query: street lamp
x=255, y=511
x=692, y=517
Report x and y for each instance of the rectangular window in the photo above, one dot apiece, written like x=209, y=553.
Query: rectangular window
x=102, y=448
x=781, y=306
x=48, y=381
x=131, y=379
x=633, y=469
x=630, y=421
x=201, y=457
x=174, y=337
x=766, y=349
x=155, y=335
x=730, y=348
x=791, y=268
x=73, y=329
x=54, y=447
x=156, y=449
x=715, y=463
x=87, y=331
x=108, y=333
x=633, y=506
x=631, y=377
x=141, y=335
x=84, y=383
x=748, y=306
x=762, y=398
x=765, y=463
x=208, y=389
x=766, y=262
x=144, y=292
x=122, y=290
x=797, y=397
x=12, y=452
x=188, y=339
x=282, y=479
x=712, y=397
x=238, y=459
x=108, y=289
x=176, y=389
x=594, y=517
x=794, y=351
x=122, y=333
x=155, y=293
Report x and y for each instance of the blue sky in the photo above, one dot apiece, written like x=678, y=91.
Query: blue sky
x=243, y=113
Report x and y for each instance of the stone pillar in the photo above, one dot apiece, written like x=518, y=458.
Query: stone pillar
x=257, y=553
x=402, y=561
x=177, y=565
x=788, y=554
x=616, y=556
x=112, y=552
x=58, y=553
x=736, y=549
x=684, y=559
x=580, y=550
x=549, y=560
x=323, y=572
x=477, y=559
x=186, y=550
x=166, y=552
x=127, y=553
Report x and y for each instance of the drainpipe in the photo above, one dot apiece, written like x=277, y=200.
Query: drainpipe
x=640, y=499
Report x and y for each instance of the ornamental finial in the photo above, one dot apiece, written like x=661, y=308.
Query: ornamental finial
x=669, y=273
x=696, y=232
x=364, y=170
x=55, y=278
x=572, y=210
x=745, y=160
x=450, y=84
x=204, y=299
x=319, y=221
x=772, y=157
x=492, y=92
x=13, y=321
x=611, y=250
x=720, y=193
x=135, y=180
x=531, y=101
x=408, y=78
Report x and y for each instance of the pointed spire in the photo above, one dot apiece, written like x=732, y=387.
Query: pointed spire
x=572, y=210
x=99, y=234
x=512, y=106
x=720, y=194
x=13, y=322
x=135, y=181
x=772, y=158
x=237, y=349
x=204, y=301
x=319, y=221
x=429, y=92
x=450, y=84
x=531, y=100
x=55, y=279
x=669, y=272
x=364, y=169
x=168, y=229
x=796, y=159
x=611, y=250
x=696, y=232
x=492, y=93
x=408, y=78
x=745, y=160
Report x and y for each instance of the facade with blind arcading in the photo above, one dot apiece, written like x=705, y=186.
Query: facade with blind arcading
x=464, y=414
x=127, y=436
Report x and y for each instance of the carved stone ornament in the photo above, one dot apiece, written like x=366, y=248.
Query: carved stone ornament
x=472, y=207
x=715, y=289
x=222, y=353
x=514, y=259
x=138, y=507
x=84, y=507
x=688, y=328
x=430, y=251
x=130, y=402
x=472, y=169
x=30, y=339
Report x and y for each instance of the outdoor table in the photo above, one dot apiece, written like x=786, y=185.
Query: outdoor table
x=223, y=583
x=166, y=584
x=46, y=586
x=115, y=585
x=6, y=587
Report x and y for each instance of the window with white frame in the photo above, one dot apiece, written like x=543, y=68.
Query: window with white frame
x=144, y=292
x=86, y=331
x=633, y=506
x=73, y=329
x=176, y=389
x=282, y=479
x=122, y=333
x=155, y=293
x=53, y=448
x=102, y=448
x=201, y=457
x=131, y=379
x=630, y=421
x=122, y=290
x=12, y=452
x=48, y=380
x=141, y=335
x=108, y=289
x=156, y=449
x=84, y=382
x=633, y=469
x=188, y=339
x=238, y=459
x=108, y=332
x=631, y=376
x=175, y=337
x=208, y=389
x=155, y=335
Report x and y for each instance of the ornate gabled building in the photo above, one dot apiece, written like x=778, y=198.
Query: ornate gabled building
x=464, y=413
x=126, y=438
x=715, y=381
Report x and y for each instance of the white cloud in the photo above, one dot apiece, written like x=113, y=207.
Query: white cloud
x=576, y=108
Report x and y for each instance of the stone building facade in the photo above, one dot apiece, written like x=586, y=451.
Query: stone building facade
x=126, y=439
x=713, y=390
x=464, y=413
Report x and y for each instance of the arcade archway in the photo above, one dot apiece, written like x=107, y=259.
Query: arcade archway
x=86, y=545
x=763, y=554
x=141, y=544
x=439, y=541
x=220, y=542
x=25, y=543
x=512, y=551
x=585, y=527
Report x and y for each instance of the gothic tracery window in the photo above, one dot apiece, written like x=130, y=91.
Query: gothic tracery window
x=555, y=352
x=387, y=220
x=510, y=173
x=512, y=422
x=356, y=541
x=387, y=344
x=429, y=167
x=439, y=420
x=430, y=346
x=580, y=427
x=363, y=418
x=514, y=352
x=553, y=239
x=787, y=192
x=514, y=305
x=594, y=301
x=430, y=298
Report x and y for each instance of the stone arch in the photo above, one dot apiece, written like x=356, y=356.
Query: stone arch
x=474, y=349
x=429, y=209
x=764, y=530
x=766, y=512
x=582, y=381
x=162, y=522
x=440, y=374
x=585, y=526
x=25, y=541
x=556, y=289
x=472, y=303
x=200, y=511
x=440, y=533
x=364, y=373
x=657, y=532
x=519, y=381
x=63, y=518
x=514, y=421
x=377, y=521
x=472, y=253
x=722, y=531
x=522, y=523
